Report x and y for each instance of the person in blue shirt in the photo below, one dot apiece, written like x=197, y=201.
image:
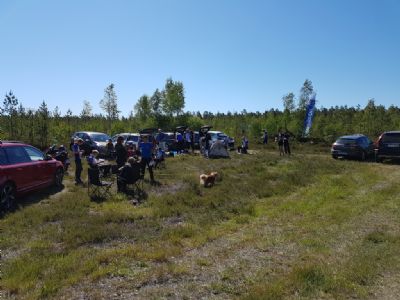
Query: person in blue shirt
x=146, y=150
x=160, y=139
x=92, y=159
x=179, y=141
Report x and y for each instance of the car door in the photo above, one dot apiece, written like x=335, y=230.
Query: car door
x=3, y=162
x=20, y=169
x=45, y=168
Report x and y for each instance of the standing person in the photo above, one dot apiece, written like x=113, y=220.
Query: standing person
x=160, y=139
x=78, y=159
x=207, y=141
x=265, y=137
x=146, y=149
x=120, y=152
x=160, y=157
x=188, y=140
x=280, y=143
x=244, y=147
x=286, y=145
x=192, y=140
x=179, y=141
x=110, y=149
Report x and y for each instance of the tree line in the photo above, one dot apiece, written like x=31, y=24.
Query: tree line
x=164, y=108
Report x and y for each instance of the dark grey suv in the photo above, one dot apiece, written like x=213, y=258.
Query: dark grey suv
x=388, y=146
x=353, y=146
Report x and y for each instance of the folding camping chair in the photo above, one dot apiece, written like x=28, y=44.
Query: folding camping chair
x=131, y=181
x=97, y=189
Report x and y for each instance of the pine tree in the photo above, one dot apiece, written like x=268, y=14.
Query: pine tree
x=9, y=110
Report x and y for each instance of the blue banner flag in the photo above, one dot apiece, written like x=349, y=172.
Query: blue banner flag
x=309, y=116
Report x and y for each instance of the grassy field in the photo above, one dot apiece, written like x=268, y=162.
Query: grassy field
x=272, y=227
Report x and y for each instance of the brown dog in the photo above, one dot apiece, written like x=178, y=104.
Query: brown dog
x=208, y=180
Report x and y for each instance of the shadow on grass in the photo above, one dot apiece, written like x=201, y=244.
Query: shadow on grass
x=34, y=197
x=393, y=161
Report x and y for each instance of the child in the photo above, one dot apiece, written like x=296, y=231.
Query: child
x=160, y=157
x=130, y=151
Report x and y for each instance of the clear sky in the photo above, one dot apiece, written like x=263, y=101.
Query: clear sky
x=230, y=55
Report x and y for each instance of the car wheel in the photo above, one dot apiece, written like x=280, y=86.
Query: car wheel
x=7, y=196
x=334, y=157
x=58, y=177
x=378, y=159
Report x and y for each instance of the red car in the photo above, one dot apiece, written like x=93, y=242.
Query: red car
x=23, y=169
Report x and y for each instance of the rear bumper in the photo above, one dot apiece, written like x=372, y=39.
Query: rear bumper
x=384, y=154
x=345, y=153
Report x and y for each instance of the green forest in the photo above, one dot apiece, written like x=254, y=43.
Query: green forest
x=165, y=109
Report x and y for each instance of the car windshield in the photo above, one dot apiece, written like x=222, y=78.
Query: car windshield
x=346, y=141
x=391, y=138
x=100, y=137
x=133, y=138
x=222, y=135
x=169, y=136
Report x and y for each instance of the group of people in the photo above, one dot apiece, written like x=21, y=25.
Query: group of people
x=283, y=143
x=184, y=140
x=127, y=158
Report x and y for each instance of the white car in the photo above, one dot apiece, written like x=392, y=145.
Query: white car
x=129, y=138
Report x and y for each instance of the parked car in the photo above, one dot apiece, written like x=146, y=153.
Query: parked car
x=220, y=136
x=23, y=169
x=150, y=133
x=353, y=146
x=92, y=141
x=170, y=142
x=129, y=138
x=388, y=146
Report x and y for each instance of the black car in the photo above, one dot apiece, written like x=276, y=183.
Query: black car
x=388, y=146
x=92, y=141
x=353, y=146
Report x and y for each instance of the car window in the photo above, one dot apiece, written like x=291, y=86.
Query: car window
x=133, y=138
x=34, y=154
x=3, y=157
x=17, y=155
x=346, y=141
x=100, y=137
x=391, y=138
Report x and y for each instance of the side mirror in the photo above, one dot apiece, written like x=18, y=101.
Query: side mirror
x=48, y=157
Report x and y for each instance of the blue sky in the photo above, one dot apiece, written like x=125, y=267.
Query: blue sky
x=230, y=55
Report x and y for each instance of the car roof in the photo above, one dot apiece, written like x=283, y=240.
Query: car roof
x=12, y=143
x=90, y=132
x=126, y=133
x=215, y=131
x=395, y=131
x=352, y=137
